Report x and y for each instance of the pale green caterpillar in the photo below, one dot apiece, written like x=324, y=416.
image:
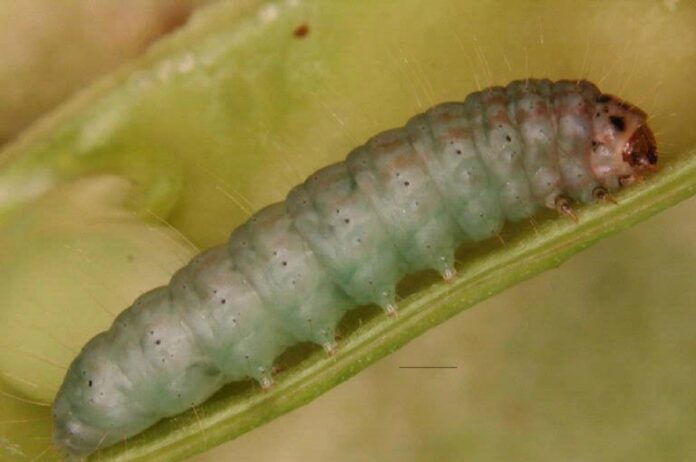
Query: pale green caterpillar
x=401, y=203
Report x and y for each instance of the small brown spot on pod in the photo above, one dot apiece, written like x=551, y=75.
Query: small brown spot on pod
x=301, y=31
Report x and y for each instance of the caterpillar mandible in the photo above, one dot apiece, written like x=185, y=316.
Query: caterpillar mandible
x=402, y=202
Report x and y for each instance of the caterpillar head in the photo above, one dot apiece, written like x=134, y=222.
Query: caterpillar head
x=623, y=146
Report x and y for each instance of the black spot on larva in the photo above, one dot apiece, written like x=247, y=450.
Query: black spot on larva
x=347, y=220
x=407, y=183
x=459, y=152
x=158, y=341
x=618, y=122
x=603, y=99
x=598, y=114
x=89, y=383
x=507, y=138
x=285, y=263
x=152, y=332
x=223, y=301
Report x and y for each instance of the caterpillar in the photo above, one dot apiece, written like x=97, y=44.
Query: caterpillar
x=402, y=202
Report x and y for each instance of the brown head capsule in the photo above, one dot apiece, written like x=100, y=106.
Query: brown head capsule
x=641, y=149
x=623, y=146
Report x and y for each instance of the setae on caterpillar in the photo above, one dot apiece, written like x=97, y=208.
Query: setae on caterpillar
x=402, y=202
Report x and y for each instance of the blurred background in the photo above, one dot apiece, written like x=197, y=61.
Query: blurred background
x=52, y=49
x=594, y=360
